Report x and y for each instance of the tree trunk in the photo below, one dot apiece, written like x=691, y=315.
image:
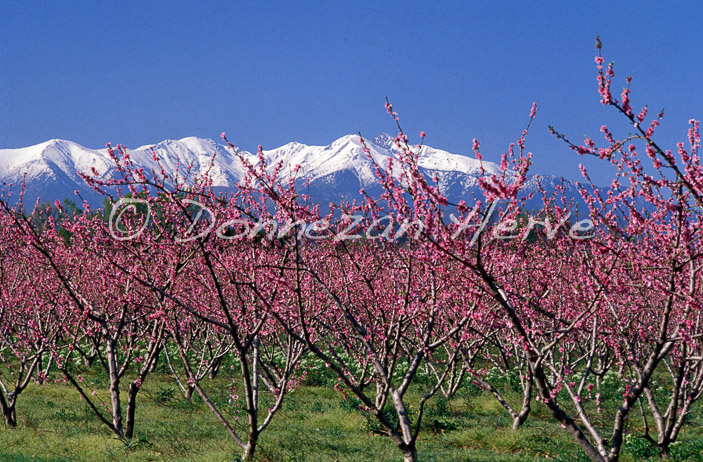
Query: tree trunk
x=155, y=362
x=410, y=454
x=520, y=418
x=9, y=413
x=131, y=407
x=250, y=448
x=665, y=448
x=540, y=381
x=90, y=357
x=215, y=367
x=408, y=448
x=114, y=389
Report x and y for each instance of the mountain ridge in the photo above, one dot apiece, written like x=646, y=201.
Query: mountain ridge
x=335, y=172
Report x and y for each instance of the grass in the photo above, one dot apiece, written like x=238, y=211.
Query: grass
x=316, y=425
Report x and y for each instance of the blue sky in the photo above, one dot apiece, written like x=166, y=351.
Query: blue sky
x=138, y=72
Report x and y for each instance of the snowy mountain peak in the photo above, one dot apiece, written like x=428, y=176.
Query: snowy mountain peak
x=383, y=140
x=335, y=171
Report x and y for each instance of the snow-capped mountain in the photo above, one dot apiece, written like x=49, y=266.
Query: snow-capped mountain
x=336, y=171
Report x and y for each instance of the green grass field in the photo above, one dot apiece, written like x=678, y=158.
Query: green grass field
x=315, y=425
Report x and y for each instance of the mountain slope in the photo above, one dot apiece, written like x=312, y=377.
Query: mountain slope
x=336, y=171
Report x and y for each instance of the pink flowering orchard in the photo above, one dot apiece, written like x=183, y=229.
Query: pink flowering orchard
x=33, y=316
x=405, y=298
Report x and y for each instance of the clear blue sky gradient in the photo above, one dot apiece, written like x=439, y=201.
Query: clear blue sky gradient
x=138, y=72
